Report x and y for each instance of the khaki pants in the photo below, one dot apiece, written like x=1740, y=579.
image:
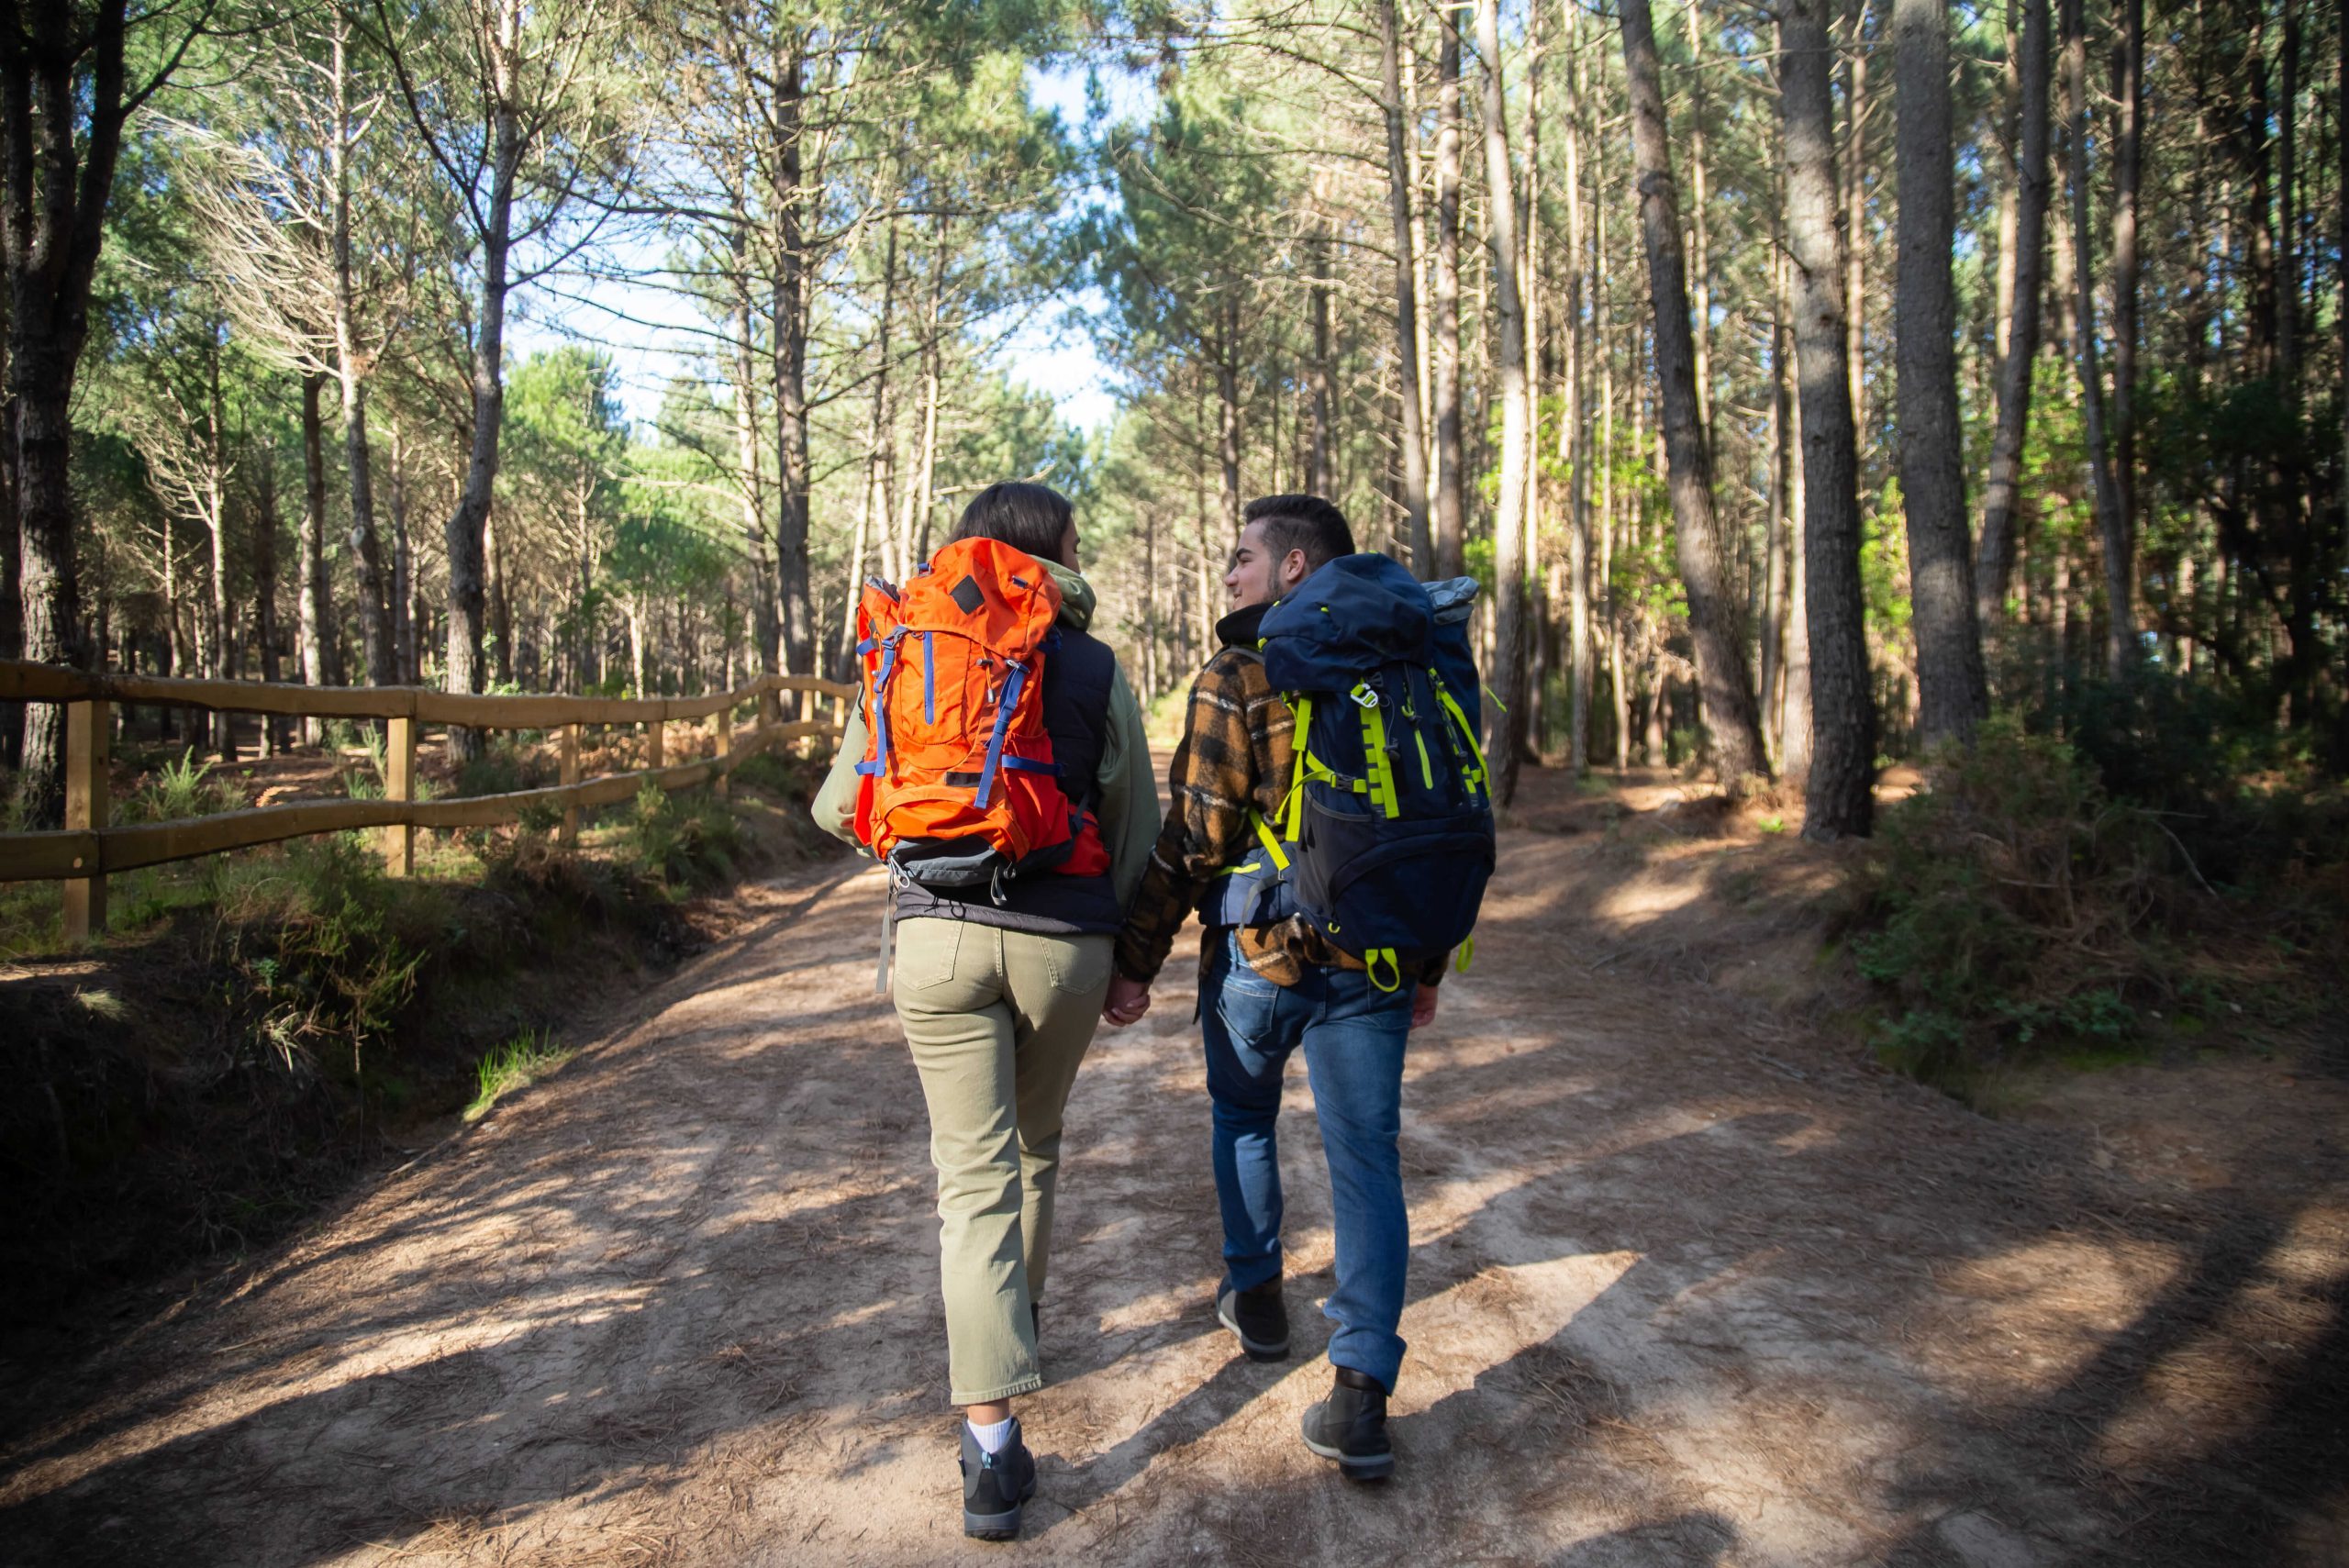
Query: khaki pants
x=997, y=1021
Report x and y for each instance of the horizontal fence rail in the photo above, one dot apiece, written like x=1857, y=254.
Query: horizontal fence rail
x=87, y=849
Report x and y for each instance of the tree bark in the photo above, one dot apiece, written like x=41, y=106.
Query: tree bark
x=1506, y=668
x=1840, y=800
x=788, y=331
x=2129, y=84
x=1451, y=477
x=469, y=520
x=62, y=106
x=1953, y=696
x=1855, y=214
x=2120, y=548
x=1725, y=681
x=1994, y=563
x=1574, y=425
x=375, y=601
x=313, y=603
x=1407, y=351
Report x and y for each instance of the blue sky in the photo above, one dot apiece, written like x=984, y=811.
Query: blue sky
x=651, y=334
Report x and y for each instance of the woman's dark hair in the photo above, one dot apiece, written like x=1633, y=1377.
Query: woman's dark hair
x=1031, y=517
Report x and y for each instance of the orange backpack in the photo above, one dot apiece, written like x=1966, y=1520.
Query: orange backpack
x=959, y=786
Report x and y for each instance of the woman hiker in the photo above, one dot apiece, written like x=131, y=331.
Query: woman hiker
x=999, y=990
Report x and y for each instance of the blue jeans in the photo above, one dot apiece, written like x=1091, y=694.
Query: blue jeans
x=1354, y=1036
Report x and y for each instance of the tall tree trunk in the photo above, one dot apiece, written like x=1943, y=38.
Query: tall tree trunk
x=1700, y=247
x=265, y=530
x=407, y=612
x=374, y=598
x=1408, y=349
x=312, y=601
x=788, y=332
x=470, y=518
x=1855, y=212
x=62, y=112
x=1774, y=555
x=1321, y=466
x=1506, y=669
x=1573, y=424
x=766, y=620
x=1724, y=678
x=1227, y=406
x=2120, y=572
x=1450, y=472
x=2287, y=228
x=2129, y=85
x=219, y=663
x=1953, y=696
x=1839, y=795
x=1994, y=563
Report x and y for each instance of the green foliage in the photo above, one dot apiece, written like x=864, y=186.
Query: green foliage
x=686, y=841
x=2009, y=910
x=505, y=765
x=182, y=789
x=517, y=1063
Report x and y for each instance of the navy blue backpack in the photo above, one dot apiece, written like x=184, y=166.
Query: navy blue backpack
x=1386, y=836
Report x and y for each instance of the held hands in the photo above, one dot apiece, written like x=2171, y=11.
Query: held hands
x=1128, y=1000
x=1423, y=1002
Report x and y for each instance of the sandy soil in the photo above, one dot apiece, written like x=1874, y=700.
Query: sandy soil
x=1691, y=1284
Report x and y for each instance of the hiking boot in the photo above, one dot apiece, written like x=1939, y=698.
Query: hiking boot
x=1351, y=1427
x=1259, y=1316
x=996, y=1484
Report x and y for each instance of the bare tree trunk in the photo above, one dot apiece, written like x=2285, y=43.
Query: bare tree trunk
x=265, y=530
x=313, y=603
x=1724, y=679
x=1408, y=349
x=1227, y=404
x=408, y=614
x=1506, y=668
x=1953, y=696
x=789, y=347
x=766, y=610
x=2119, y=549
x=470, y=518
x=2129, y=83
x=1321, y=466
x=1450, y=475
x=1995, y=561
x=374, y=607
x=1839, y=795
x=62, y=112
x=1573, y=424
x=1855, y=214
x=1773, y=556
x=1701, y=250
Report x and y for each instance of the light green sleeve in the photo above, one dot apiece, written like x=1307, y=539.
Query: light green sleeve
x=835, y=807
x=1129, y=813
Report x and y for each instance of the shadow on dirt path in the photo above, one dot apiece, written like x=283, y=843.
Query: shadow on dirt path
x=1688, y=1287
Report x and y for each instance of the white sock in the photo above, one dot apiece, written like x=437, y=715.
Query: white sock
x=991, y=1438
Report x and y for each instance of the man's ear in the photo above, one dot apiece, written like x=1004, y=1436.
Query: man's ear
x=1295, y=568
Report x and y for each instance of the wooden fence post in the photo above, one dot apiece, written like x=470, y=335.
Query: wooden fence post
x=722, y=786
x=86, y=745
x=769, y=705
x=655, y=737
x=570, y=776
x=399, y=783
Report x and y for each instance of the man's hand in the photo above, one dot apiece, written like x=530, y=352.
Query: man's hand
x=1423, y=1002
x=1128, y=1000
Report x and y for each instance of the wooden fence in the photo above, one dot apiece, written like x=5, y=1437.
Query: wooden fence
x=87, y=849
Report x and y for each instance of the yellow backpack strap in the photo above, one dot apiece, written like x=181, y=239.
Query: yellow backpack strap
x=1465, y=953
x=1304, y=706
x=1475, y=776
x=1374, y=748
x=1272, y=844
x=1377, y=956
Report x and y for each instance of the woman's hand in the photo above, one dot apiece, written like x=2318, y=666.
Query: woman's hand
x=1128, y=1000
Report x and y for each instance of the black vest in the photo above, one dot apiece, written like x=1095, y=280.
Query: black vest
x=1078, y=677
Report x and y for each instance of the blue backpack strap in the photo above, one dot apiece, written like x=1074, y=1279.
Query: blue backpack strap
x=929, y=677
x=1012, y=686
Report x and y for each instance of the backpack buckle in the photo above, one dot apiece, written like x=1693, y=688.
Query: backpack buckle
x=1365, y=694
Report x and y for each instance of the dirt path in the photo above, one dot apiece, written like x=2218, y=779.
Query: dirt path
x=1687, y=1286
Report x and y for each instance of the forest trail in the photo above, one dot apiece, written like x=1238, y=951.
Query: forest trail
x=1689, y=1285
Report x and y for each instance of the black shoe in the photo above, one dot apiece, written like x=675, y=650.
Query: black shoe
x=1259, y=1316
x=1351, y=1427
x=996, y=1484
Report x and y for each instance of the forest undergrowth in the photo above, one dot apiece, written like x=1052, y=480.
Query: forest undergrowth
x=2138, y=872
x=259, y=1028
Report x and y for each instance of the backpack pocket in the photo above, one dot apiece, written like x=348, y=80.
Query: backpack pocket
x=1411, y=884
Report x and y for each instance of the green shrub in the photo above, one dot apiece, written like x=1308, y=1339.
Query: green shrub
x=775, y=772
x=505, y=765
x=520, y=1061
x=180, y=789
x=2012, y=908
x=687, y=839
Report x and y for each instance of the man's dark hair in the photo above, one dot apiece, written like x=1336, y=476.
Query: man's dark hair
x=1301, y=522
x=1031, y=517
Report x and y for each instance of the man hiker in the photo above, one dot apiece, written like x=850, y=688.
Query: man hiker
x=1267, y=987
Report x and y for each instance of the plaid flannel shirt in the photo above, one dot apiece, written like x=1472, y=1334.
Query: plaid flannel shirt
x=1236, y=754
